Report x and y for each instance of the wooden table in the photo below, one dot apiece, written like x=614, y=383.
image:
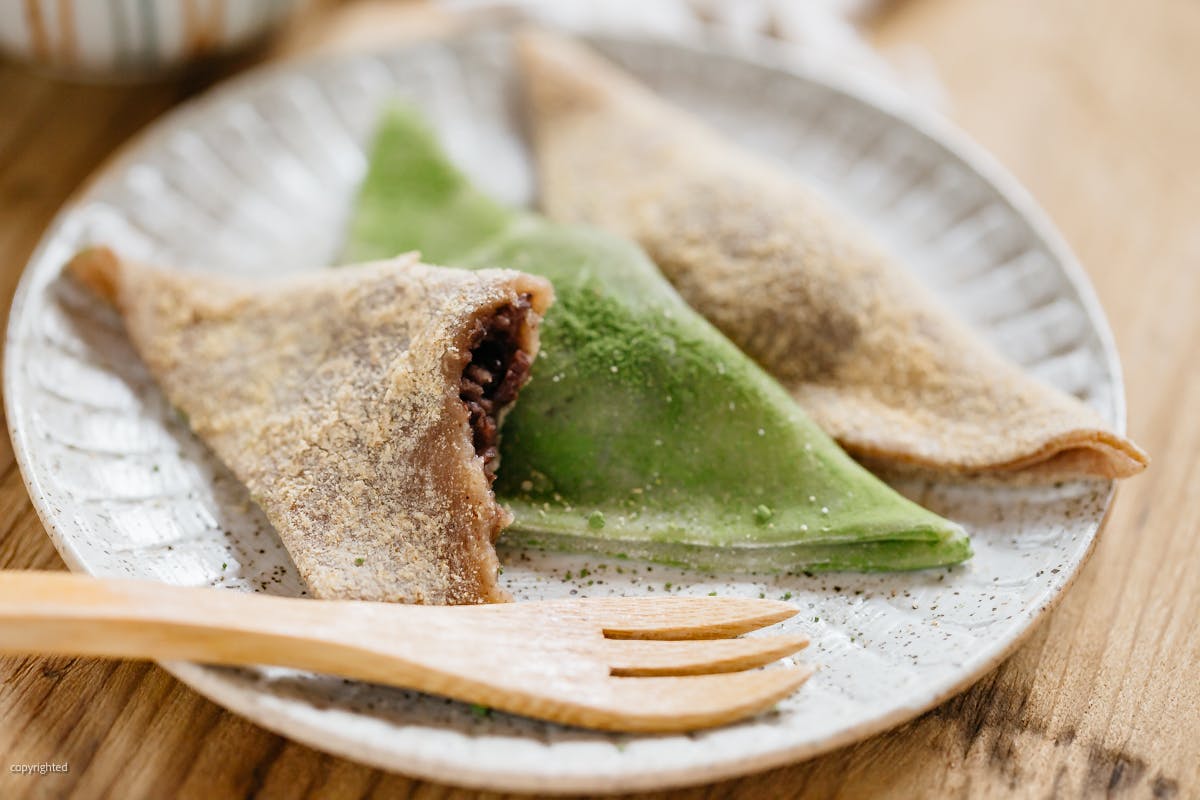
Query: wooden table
x=1094, y=105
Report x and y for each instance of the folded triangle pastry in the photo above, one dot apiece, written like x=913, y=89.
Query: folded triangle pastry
x=864, y=349
x=358, y=406
x=644, y=432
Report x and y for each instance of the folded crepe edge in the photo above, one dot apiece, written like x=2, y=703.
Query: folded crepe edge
x=101, y=270
x=562, y=74
x=1080, y=454
x=551, y=54
x=98, y=268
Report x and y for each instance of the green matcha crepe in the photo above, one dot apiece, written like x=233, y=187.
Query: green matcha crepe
x=643, y=431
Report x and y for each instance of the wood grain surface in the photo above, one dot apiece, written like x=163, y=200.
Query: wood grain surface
x=1093, y=105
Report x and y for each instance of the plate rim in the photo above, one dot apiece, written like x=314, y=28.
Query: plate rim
x=758, y=51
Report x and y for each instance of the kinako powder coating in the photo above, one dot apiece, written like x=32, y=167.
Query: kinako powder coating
x=337, y=398
x=873, y=357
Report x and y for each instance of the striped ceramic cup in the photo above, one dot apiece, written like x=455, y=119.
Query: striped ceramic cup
x=131, y=38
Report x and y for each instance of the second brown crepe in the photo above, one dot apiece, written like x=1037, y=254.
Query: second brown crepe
x=876, y=361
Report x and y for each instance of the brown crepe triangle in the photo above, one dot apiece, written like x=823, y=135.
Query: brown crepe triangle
x=864, y=349
x=359, y=406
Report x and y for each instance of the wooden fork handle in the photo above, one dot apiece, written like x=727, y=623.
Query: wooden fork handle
x=427, y=648
x=421, y=647
x=64, y=614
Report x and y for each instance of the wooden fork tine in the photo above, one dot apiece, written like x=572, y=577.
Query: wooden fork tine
x=691, y=702
x=685, y=617
x=630, y=657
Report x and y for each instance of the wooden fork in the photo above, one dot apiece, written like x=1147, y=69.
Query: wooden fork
x=625, y=663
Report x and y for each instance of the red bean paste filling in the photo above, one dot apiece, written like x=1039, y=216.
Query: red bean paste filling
x=494, y=376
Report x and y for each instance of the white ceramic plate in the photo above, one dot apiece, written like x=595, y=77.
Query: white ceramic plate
x=258, y=177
